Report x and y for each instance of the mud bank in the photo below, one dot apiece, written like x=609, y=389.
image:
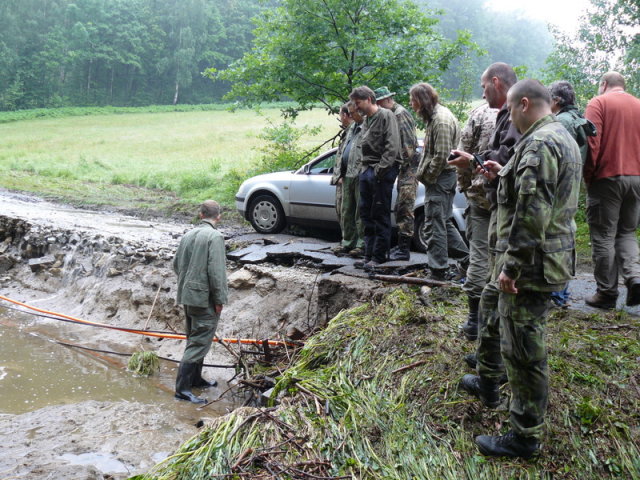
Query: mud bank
x=115, y=269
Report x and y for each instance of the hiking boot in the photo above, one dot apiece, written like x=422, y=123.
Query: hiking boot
x=470, y=327
x=486, y=390
x=401, y=252
x=361, y=263
x=340, y=250
x=438, y=274
x=600, y=300
x=509, y=445
x=471, y=360
x=356, y=252
x=370, y=266
x=633, y=292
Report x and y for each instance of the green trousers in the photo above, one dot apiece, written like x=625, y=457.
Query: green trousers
x=200, y=327
x=352, y=228
x=512, y=337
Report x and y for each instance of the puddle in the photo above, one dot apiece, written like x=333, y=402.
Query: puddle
x=104, y=463
x=36, y=372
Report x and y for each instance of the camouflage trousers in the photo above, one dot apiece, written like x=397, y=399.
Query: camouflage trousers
x=478, y=237
x=512, y=338
x=200, y=327
x=350, y=222
x=339, y=201
x=406, y=199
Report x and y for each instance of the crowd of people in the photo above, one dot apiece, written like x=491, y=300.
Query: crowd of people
x=520, y=160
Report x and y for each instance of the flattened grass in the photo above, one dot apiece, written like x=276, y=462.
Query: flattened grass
x=348, y=404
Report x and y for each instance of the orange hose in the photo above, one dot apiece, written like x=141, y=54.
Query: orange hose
x=177, y=336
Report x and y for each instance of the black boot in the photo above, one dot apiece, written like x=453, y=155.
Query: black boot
x=200, y=382
x=186, y=373
x=509, y=445
x=471, y=360
x=401, y=252
x=486, y=390
x=470, y=327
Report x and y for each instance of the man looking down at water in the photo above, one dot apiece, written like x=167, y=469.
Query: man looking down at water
x=537, y=199
x=200, y=264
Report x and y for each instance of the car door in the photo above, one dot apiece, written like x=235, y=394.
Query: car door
x=311, y=195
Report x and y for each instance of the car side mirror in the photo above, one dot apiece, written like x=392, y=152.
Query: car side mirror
x=306, y=169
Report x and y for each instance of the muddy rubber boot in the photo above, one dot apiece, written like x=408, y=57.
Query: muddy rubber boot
x=486, y=390
x=509, y=445
x=200, y=382
x=401, y=252
x=186, y=372
x=470, y=327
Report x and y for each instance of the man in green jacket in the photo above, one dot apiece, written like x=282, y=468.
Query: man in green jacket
x=537, y=200
x=200, y=264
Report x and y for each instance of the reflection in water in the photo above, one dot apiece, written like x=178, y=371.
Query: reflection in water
x=36, y=372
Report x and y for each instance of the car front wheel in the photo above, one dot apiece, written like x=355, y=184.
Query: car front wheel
x=266, y=214
x=419, y=237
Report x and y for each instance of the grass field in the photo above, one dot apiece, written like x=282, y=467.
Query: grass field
x=138, y=160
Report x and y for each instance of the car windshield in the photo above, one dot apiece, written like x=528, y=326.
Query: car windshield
x=322, y=166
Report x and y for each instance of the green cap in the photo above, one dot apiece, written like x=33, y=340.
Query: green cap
x=383, y=92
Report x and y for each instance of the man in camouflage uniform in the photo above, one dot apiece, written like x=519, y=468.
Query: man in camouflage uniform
x=475, y=138
x=350, y=154
x=537, y=200
x=442, y=134
x=336, y=179
x=495, y=82
x=407, y=183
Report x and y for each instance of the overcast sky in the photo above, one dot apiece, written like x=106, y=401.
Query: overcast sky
x=563, y=13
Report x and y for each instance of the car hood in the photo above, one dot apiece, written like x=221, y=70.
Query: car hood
x=265, y=178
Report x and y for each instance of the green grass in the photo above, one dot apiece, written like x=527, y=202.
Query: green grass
x=345, y=402
x=148, y=158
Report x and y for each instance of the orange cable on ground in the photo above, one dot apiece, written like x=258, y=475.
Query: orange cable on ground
x=177, y=336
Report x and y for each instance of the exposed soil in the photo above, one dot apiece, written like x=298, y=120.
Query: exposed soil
x=116, y=269
x=113, y=268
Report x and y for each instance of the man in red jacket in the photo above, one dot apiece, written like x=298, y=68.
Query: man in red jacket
x=612, y=175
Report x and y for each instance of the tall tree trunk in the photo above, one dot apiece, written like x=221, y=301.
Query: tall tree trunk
x=111, y=87
x=89, y=77
x=175, y=96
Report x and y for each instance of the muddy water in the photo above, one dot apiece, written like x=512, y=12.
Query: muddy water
x=37, y=372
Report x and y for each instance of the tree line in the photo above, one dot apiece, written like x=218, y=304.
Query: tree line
x=142, y=52
x=118, y=52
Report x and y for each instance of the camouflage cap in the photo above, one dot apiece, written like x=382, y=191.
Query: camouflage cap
x=382, y=93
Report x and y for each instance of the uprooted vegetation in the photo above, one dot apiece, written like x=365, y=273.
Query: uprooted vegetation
x=374, y=396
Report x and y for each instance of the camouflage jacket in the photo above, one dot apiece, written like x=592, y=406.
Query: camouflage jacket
x=407, y=128
x=352, y=134
x=537, y=201
x=475, y=139
x=577, y=126
x=442, y=134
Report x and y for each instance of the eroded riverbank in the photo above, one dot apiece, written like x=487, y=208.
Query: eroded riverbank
x=110, y=268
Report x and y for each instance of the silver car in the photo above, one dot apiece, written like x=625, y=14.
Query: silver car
x=306, y=197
